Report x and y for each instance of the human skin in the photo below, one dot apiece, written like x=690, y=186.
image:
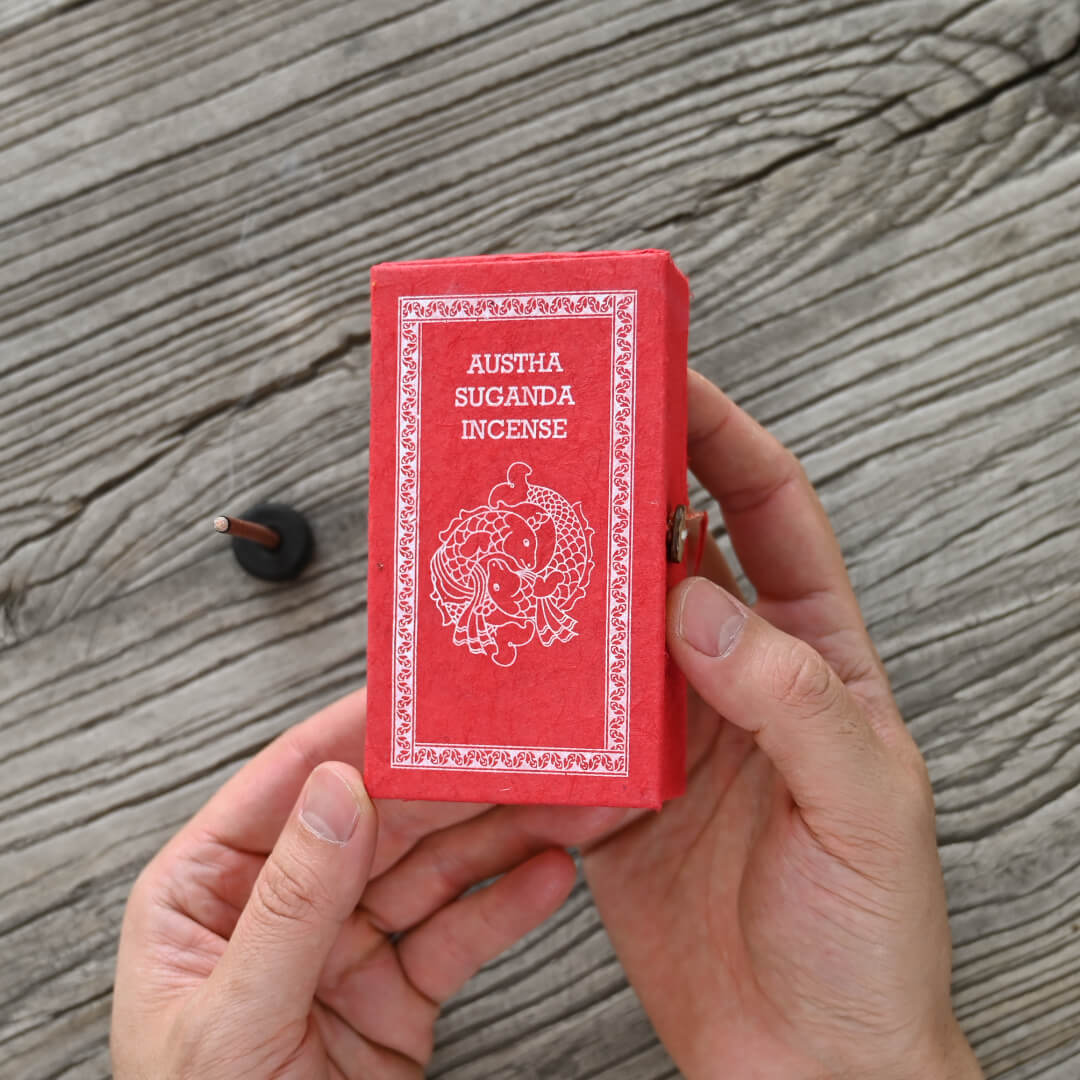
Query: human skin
x=785, y=918
x=246, y=953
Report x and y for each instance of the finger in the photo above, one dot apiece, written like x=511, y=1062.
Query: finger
x=250, y=810
x=447, y=863
x=714, y=566
x=309, y=885
x=362, y=982
x=213, y=862
x=442, y=866
x=440, y=955
x=207, y=881
x=359, y=982
x=778, y=527
x=703, y=726
x=356, y=1057
x=782, y=691
x=403, y=823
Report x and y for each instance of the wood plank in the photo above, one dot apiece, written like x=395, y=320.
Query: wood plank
x=877, y=205
x=19, y=14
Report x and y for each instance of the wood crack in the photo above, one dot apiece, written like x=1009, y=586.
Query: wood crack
x=982, y=99
x=684, y=217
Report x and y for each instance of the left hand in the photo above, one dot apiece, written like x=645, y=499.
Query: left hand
x=292, y=930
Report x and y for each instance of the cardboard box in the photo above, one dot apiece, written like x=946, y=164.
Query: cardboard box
x=528, y=448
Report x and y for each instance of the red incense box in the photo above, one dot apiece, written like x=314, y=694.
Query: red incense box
x=528, y=451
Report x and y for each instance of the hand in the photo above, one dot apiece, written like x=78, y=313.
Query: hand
x=787, y=917
x=244, y=954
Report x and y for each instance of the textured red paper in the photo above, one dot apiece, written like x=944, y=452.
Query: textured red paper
x=528, y=444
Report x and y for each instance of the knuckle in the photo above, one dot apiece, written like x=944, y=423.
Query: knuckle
x=153, y=889
x=802, y=679
x=451, y=870
x=142, y=890
x=923, y=783
x=791, y=470
x=282, y=892
x=797, y=469
x=918, y=792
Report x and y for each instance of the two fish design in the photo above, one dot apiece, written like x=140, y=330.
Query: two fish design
x=511, y=571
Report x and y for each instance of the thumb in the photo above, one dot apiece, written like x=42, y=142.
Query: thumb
x=781, y=690
x=309, y=885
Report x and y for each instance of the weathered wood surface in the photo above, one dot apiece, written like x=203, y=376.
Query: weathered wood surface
x=879, y=207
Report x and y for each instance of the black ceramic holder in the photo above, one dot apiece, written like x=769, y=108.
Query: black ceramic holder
x=262, y=558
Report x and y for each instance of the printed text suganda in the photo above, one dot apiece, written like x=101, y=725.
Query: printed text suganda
x=526, y=395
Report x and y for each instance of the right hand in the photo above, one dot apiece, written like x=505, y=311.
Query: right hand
x=787, y=917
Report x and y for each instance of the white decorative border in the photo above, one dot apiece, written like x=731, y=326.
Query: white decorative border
x=413, y=312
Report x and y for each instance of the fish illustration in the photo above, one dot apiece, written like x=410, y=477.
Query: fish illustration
x=511, y=571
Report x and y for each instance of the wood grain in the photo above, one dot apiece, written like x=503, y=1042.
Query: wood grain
x=878, y=205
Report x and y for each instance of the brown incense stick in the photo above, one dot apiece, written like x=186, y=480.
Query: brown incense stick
x=248, y=530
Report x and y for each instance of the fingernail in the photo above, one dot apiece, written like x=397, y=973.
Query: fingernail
x=330, y=809
x=709, y=620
